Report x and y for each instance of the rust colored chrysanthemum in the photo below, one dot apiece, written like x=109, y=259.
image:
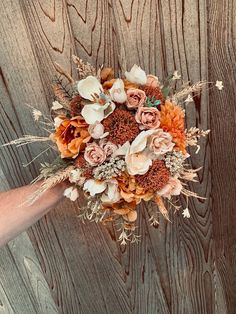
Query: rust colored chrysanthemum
x=121, y=126
x=172, y=121
x=156, y=177
x=80, y=162
x=154, y=92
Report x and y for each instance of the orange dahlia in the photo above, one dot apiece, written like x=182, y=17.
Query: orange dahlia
x=130, y=191
x=172, y=121
x=71, y=136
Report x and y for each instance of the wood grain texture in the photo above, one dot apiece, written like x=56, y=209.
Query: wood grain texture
x=67, y=267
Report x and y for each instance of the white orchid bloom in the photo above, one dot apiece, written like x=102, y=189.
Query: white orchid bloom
x=117, y=92
x=93, y=113
x=88, y=87
x=122, y=150
x=94, y=187
x=71, y=193
x=111, y=194
x=136, y=75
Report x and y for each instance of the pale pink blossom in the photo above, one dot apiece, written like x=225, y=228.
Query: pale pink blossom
x=173, y=187
x=135, y=98
x=148, y=117
x=160, y=142
x=108, y=147
x=94, y=154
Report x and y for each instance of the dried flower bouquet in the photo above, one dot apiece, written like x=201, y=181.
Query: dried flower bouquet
x=121, y=141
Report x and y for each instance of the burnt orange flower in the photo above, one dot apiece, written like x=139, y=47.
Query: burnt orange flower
x=121, y=126
x=124, y=209
x=156, y=177
x=71, y=136
x=127, y=84
x=172, y=121
x=130, y=191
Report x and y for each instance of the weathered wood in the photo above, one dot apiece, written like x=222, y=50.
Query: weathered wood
x=76, y=268
x=222, y=60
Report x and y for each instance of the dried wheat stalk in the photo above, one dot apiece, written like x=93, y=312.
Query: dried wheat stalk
x=50, y=182
x=189, y=90
x=84, y=69
x=27, y=139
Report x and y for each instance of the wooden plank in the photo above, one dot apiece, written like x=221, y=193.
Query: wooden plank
x=222, y=59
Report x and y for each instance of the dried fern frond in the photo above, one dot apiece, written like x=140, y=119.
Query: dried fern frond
x=27, y=139
x=193, y=135
x=60, y=70
x=195, y=88
x=50, y=182
x=61, y=94
x=84, y=69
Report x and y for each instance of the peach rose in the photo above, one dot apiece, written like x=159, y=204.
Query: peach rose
x=135, y=98
x=173, y=187
x=94, y=154
x=148, y=117
x=152, y=81
x=71, y=136
x=160, y=142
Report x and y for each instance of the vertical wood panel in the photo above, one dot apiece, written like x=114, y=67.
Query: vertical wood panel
x=222, y=64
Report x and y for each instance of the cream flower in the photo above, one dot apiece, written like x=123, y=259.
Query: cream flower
x=57, y=122
x=76, y=177
x=140, y=142
x=138, y=163
x=160, y=142
x=96, y=130
x=94, y=187
x=109, y=187
x=117, y=92
x=88, y=87
x=96, y=113
x=111, y=194
x=136, y=75
x=173, y=187
x=186, y=213
x=71, y=193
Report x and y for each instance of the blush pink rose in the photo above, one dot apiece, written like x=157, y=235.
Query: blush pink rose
x=148, y=117
x=160, y=142
x=135, y=98
x=173, y=187
x=94, y=154
x=108, y=147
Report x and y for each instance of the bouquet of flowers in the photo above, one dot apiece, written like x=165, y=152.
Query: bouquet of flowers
x=121, y=141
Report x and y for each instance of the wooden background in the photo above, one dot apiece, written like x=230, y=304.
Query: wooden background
x=62, y=266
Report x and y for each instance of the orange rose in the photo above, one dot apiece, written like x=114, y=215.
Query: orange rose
x=71, y=136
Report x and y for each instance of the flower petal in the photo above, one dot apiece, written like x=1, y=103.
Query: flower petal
x=88, y=87
x=136, y=75
x=94, y=187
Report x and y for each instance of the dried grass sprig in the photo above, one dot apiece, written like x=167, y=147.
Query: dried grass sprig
x=61, y=94
x=195, y=88
x=84, y=69
x=27, y=139
x=50, y=182
x=193, y=135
